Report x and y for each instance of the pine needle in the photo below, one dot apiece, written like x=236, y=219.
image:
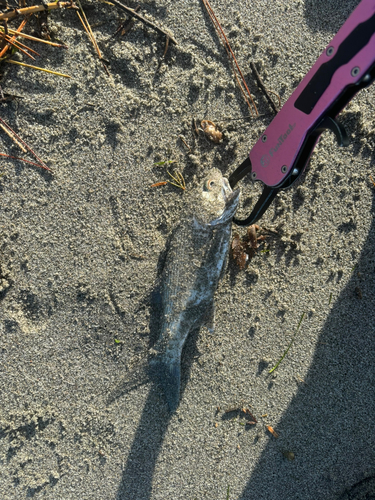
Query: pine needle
x=23, y=45
x=231, y=57
x=179, y=180
x=34, y=67
x=10, y=133
x=29, y=37
x=18, y=140
x=287, y=349
x=88, y=30
x=24, y=160
x=20, y=28
x=18, y=47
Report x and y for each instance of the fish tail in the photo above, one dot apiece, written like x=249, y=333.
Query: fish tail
x=168, y=375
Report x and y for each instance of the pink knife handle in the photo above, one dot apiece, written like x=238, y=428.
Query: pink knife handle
x=344, y=63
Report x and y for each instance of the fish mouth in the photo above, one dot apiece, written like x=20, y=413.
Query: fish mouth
x=226, y=190
x=231, y=199
x=228, y=194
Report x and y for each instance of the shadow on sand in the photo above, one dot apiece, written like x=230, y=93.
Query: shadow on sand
x=329, y=423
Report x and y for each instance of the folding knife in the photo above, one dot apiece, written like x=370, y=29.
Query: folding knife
x=283, y=150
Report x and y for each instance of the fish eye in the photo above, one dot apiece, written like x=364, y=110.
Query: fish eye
x=210, y=185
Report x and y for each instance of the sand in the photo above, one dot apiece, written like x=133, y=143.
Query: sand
x=79, y=260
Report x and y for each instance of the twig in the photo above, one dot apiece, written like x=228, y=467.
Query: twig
x=276, y=94
x=166, y=45
x=231, y=56
x=36, y=8
x=263, y=88
x=127, y=24
x=133, y=13
x=186, y=144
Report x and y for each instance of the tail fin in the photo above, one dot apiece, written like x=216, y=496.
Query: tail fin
x=168, y=376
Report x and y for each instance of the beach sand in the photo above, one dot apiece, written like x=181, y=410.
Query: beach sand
x=79, y=261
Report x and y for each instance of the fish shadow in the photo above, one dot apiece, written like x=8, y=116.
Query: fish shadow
x=136, y=481
x=137, y=476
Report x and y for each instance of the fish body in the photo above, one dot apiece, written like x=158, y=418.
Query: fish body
x=195, y=262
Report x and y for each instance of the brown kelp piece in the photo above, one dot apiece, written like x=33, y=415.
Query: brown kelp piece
x=244, y=249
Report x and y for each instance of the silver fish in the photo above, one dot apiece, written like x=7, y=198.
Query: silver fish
x=195, y=263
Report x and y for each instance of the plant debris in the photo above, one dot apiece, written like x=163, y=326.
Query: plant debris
x=244, y=249
x=134, y=13
x=127, y=24
x=263, y=88
x=35, y=8
x=178, y=178
x=287, y=349
x=242, y=413
x=211, y=131
x=22, y=145
x=289, y=455
x=88, y=30
x=272, y=431
x=235, y=67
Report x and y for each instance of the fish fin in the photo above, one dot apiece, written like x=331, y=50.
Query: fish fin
x=209, y=321
x=168, y=375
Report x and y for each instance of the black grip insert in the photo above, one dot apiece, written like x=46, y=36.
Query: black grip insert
x=352, y=44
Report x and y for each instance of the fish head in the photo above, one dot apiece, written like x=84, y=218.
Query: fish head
x=216, y=203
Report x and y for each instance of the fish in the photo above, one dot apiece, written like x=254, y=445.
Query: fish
x=195, y=262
